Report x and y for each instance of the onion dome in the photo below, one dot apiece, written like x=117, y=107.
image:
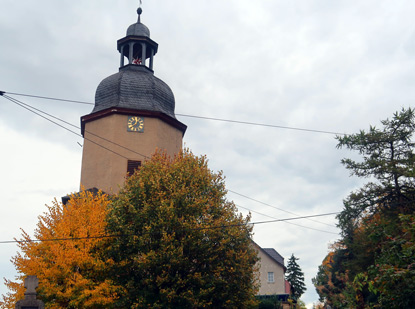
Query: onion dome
x=138, y=28
x=135, y=87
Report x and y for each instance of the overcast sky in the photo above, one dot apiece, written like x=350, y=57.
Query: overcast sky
x=335, y=66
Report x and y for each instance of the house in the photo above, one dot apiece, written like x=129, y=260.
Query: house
x=271, y=273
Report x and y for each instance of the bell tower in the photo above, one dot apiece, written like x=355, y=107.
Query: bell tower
x=132, y=117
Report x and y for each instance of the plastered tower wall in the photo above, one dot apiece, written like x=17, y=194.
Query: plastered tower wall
x=104, y=163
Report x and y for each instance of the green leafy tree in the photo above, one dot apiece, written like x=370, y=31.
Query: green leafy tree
x=331, y=279
x=373, y=263
x=295, y=277
x=392, y=276
x=301, y=304
x=183, y=245
x=271, y=302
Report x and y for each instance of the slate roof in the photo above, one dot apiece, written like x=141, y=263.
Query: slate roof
x=274, y=255
x=135, y=87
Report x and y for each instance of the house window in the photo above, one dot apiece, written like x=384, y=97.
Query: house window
x=132, y=166
x=271, y=277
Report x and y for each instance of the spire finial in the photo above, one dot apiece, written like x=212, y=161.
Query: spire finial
x=139, y=11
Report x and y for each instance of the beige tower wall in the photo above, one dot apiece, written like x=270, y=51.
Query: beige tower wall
x=107, y=170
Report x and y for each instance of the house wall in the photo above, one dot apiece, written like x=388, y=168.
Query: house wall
x=267, y=264
x=106, y=170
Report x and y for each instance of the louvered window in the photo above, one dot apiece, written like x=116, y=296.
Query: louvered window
x=132, y=166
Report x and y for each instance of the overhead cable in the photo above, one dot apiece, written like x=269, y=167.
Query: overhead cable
x=303, y=226
x=260, y=124
x=38, y=113
x=280, y=209
x=47, y=98
x=32, y=109
x=179, y=230
x=58, y=124
x=194, y=116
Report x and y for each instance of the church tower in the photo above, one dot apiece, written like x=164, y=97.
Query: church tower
x=132, y=117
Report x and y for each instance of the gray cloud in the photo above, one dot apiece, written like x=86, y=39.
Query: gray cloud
x=333, y=66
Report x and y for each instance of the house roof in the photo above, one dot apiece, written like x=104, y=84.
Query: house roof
x=274, y=255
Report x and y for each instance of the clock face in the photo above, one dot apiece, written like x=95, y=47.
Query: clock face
x=135, y=124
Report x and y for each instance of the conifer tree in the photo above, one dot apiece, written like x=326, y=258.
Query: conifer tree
x=295, y=277
x=373, y=263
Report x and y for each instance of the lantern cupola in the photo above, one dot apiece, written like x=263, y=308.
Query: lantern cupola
x=137, y=46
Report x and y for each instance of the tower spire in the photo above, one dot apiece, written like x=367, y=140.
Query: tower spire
x=139, y=11
x=132, y=107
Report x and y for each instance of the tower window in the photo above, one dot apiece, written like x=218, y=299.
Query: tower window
x=132, y=166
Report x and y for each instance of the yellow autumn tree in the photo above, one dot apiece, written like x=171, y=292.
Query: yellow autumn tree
x=70, y=268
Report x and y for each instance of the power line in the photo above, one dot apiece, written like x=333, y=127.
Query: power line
x=261, y=124
x=306, y=227
x=280, y=209
x=58, y=124
x=32, y=109
x=46, y=98
x=38, y=111
x=194, y=116
x=179, y=230
x=296, y=218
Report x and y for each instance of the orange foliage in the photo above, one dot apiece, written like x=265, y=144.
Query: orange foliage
x=64, y=260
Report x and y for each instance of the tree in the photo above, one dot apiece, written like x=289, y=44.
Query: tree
x=295, y=277
x=301, y=304
x=183, y=244
x=70, y=270
x=374, y=263
x=170, y=239
x=331, y=279
x=388, y=159
x=271, y=302
x=393, y=271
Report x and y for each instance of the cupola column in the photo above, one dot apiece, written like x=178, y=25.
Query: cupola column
x=143, y=53
x=122, y=56
x=151, y=59
x=130, y=53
